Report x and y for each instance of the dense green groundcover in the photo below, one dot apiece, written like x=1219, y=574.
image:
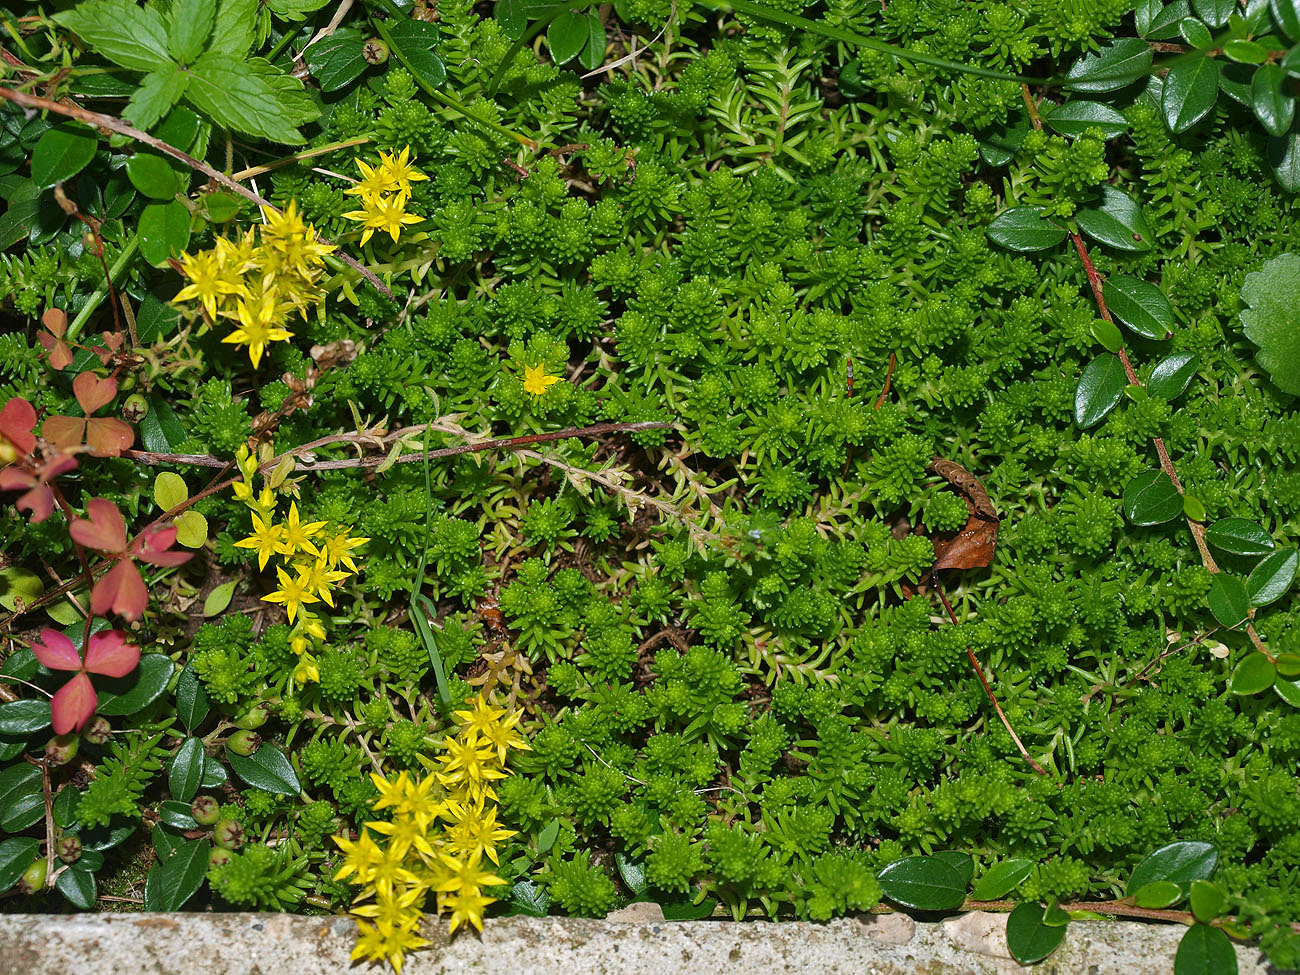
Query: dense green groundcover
x=844, y=262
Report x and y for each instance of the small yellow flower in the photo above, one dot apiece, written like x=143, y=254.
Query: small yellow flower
x=536, y=380
x=337, y=549
x=212, y=279
x=305, y=670
x=386, y=214
x=387, y=941
x=265, y=539
x=400, y=170
x=467, y=906
x=293, y=594
x=261, y=322
x=297, y=536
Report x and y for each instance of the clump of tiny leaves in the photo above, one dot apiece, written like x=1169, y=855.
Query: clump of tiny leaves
x=857, y=444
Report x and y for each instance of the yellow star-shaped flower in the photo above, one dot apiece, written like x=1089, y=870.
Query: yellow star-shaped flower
x=536, y=380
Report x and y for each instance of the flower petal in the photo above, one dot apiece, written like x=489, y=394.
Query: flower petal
x=73, y=705
x=56, y=652
x=109, y=654
x=120, y=590
x=102, y=529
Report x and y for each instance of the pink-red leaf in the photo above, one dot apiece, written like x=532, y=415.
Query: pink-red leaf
x=60, y=354
x=109, y=654
x=73, y=705
x=57, y=652
x=102, y=528
x=56, y=320
x=152, y=546
x=121, y=591
x=107, y=436
x=65, y=432
x=17, y=420
x=93, y=392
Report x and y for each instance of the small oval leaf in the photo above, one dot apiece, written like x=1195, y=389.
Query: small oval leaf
x=1228, y=599
x=1029, y=939
x=1116, y=220
x=1254, y=674
x=1074, y=118
x=1205, y=951
x=1002, y=879
x=267, y=768
x=1239, y=536
x=1151, y=499
x=1025, y=229
x=923, y=883
x=1141, y=306
x=1190, y=91
x=1158, y=893
x=1181, y=862
x=1272, y=577
x=1172, y=374
x=1101, y=386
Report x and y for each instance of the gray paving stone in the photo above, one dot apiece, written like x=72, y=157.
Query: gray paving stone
x=274, y=944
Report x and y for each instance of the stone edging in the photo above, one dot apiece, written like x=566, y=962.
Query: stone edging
x=278, y=944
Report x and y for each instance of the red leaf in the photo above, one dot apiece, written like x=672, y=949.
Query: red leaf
x=970, y=548
x=102, y=528
x=108, y=436
x=56, y=320
x=60, y=354
x=73, y=705
x=93, y=392
x=57, y=652
x=17, y=420
x=109, y=654
x=151, y=546
x=120, y=590
x=65, y=432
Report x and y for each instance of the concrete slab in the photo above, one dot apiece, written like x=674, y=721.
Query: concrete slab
x=276, y=944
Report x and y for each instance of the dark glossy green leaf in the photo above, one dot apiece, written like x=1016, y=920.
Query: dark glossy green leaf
x=1151, y=499
x=1253, y=674
x=24, y=717
x=633, y=874
x=164, y=231
x=1195, y=33
x=566, y=36
x=177, y=814
x=416, y=40
x=1100, y=388
x=62, y=152
x=1025, y=229
x=1205, y=951
x=1118, y=63
x=1228, y=599
x=527, y=896
x=19, y=785
x=268, y=769
x=686, y=910
x=21, y=664
x=1181, y=862
x=1158, y=894
x=923, y=883
x=1144, y=12
x=1208, y=901
x=1288, y=690
x=1190, y=91
x=1287, y=15
x=172, y=882
x=103, y=838
x=214, y=774
x=1141, y=306
x=136, y=691
x=1291, y=62
x=1116, y=220
x=191, y=699
x=179, y=129
x=78, y=885
x=166, y=840
x=338, y=60
x=186, y=771
x=1274, y=105
x=1108, y=334
x=1283, y=157
x=1172, y=374
x=963, y=863
x=1029, y=939
x=1074, y=118
x=1288, y=665
x=1272, y=577
x=513, y=20
x=161, y=429
x=1214, y=12
x=1244, y=52
x=1001, y=879
x=999, y=146
x=1239, y=536
x=16, y=855
x=153, y=175
x=64, y=807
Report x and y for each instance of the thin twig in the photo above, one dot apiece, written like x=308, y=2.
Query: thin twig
x=979, y=672
x=112, y=124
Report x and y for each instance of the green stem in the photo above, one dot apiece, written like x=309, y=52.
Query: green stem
x=849, y=37
x=284, y=42
x=527, y=142
x=101, y=291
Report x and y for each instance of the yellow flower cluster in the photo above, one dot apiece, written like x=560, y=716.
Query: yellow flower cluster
x=384, y=191
x=443, y=827
x=313, y=562
x=258, y=279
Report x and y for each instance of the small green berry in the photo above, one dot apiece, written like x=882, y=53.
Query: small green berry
x=228, y=834
x=219, y=857
x=253, y=718
x=244, y=742
x=98, y=732
x=61, y=749
x=33, y=878
x=134, y=408
x=375, y=51
x=68, y=849
x=205, y=810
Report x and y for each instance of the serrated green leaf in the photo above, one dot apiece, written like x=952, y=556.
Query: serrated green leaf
x=1074, y=118
x=1140, y=305
x=1172, y=374
x=121, y=31
x=268, y=769
x=189, y=24
x=251, y=96
x=1205, y=951
x=1272, y=577
x=62, y=152
x=1118, y=63
x=1151, y=499
x=1101, y=386
x=159, y=90
x=235, y=28
x=923, y=883
x=1025, y=229
x=1001, y=879
x=1255, y=673
x=1116, y=219
x=1028, y=938
x=294, y=9
x=1272, y=319
x=1240, y=536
